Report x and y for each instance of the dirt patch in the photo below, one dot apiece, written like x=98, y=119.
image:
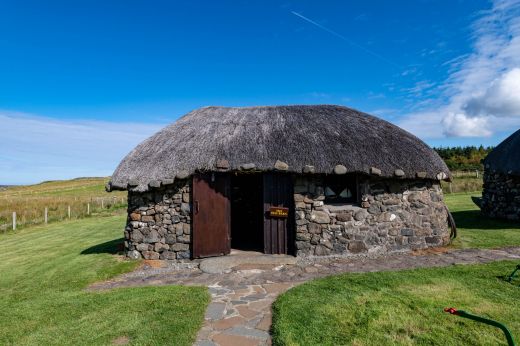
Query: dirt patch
x=122, y=340
x=121, y=257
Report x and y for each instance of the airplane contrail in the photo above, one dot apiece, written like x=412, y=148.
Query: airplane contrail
x=380, y=57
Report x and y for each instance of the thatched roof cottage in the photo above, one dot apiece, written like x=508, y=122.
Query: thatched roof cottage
x=501, y=194
x=301, y=180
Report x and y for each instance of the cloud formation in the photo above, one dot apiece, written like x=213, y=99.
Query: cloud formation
x=501, y=99
x=483, y=89
x=460, y=125
x=37, y=148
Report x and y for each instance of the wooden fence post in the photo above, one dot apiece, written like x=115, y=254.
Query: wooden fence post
x=88, y=208
x=102, y=203
x=14, y=221
x=451, y=189
x=68, y=211
x=46, y=215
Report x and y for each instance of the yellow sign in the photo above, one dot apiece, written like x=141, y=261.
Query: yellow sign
x=278, y=212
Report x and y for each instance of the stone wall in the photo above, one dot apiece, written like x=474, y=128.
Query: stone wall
x=392, y=215
x=159, y=223
x=501, y=195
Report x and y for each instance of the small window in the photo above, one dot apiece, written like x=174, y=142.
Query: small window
x=340, y=189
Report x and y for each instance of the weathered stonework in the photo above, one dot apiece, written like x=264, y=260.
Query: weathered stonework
x=159, y=223
x=393, y=215
x=501, y=195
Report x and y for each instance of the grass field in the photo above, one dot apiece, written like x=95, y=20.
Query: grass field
x=463, y=182
x=399, y=308
x=44, y=272
x=29, y=202
x=477, y=231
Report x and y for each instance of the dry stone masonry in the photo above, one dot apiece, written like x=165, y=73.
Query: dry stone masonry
x=393, y=215
x=159, y=223
x=501, y=195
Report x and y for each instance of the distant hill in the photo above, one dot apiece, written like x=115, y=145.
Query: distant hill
x=77, y=187
x=84, y=196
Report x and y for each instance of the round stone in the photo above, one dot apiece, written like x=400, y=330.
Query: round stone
x=308, y=169
x=182, y=174
x=399, y=173
x=247, y=166
x=281, y=166
x=340, y=169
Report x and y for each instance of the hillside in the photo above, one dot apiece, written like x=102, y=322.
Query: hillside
x=75, y=187
x=85, y=196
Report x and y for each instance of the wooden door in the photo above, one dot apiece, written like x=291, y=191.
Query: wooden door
x=278, y=231
x=211, y=215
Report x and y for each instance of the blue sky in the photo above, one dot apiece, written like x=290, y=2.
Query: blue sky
x=83, y=82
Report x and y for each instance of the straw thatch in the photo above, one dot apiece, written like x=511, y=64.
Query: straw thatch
x=505, y=158
x=295, y=138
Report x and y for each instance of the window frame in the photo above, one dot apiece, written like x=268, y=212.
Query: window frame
x=349, y=181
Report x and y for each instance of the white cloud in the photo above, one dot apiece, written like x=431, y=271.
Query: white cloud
x=420, y=88
x=460, y=125
x=501, y=99
x=37, y=148
x=483, y=89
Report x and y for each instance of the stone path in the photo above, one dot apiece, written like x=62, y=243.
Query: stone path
x=240, y=316
x=240, y=308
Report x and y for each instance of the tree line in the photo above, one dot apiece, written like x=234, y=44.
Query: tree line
x=464, y=158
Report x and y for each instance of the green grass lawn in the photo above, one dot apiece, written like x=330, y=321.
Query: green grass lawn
x=399, y=308
x=477, y=231
x=43, y=273
x=405, y=307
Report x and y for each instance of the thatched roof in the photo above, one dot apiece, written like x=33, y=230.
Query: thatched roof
x=312, y=139
x=505, y=158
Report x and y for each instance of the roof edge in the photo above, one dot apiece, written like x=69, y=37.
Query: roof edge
x=398, y=174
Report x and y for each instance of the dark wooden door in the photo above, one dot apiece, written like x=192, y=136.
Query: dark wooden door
x=278, y=232
x=211, y=215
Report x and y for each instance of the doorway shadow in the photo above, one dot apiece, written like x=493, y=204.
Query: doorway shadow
x=112, y=247
x=247, y=219
x=473, y=219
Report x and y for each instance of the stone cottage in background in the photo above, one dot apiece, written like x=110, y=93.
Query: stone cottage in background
x=301, y=180
x=501, y=194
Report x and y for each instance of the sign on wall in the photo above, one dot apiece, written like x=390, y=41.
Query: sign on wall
x=278, y=212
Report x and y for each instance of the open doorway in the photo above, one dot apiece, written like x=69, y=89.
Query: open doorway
x=247, y=212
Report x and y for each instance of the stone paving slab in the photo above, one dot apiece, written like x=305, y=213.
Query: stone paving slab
x=240, y=308
x=224, y=264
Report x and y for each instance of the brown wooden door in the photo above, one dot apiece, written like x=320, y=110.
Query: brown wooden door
x=211, y=215
x=278, y=232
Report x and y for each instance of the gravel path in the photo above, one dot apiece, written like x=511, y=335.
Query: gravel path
x=240, y=308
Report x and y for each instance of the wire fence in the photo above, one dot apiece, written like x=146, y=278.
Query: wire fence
x=464, y=181
x=19, y=212
x=468, y=174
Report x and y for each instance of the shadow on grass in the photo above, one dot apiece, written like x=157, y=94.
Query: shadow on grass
x=474, y=220
x=112, y=247
x=505, y=278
